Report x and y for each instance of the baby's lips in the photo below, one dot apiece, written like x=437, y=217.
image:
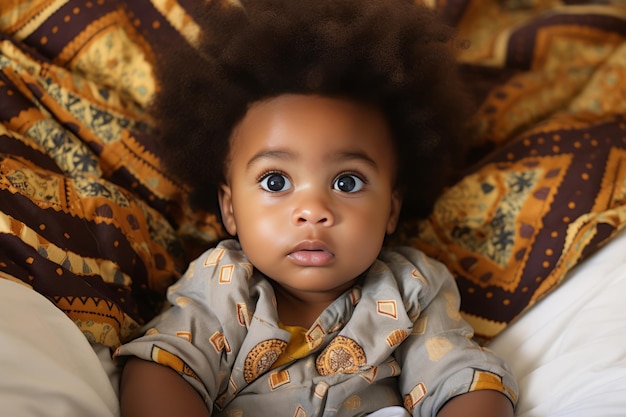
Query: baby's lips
x=306, y=257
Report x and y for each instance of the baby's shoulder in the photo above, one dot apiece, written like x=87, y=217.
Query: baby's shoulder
x=222, y=260
x=221, y=269
x=416, y=275
x=406, y=262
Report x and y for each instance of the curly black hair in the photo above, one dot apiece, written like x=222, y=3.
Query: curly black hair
x=392, y=54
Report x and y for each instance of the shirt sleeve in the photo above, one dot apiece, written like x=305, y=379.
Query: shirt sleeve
x=194, y=336
x=439, y=359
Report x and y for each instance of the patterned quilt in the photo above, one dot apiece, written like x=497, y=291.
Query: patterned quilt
x=90, y=220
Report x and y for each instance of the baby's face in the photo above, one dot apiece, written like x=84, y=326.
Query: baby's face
x=310, y=191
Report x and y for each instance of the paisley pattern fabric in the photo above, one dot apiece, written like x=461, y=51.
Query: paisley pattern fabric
x=89, y=219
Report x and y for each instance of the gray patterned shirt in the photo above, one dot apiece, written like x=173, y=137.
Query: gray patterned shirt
x=395, y=338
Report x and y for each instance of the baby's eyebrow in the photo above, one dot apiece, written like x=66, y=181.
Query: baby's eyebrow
x=338, y=156
x=354, y=155
x=270, y=154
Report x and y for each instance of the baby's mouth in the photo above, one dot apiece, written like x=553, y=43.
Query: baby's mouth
x=311, y=254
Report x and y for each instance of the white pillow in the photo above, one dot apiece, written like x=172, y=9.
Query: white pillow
x=47, y=366
x=569, y=351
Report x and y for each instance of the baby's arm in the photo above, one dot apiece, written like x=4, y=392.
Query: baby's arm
x=442, y=367
x=484, y=403
x=150, y=389
x=180, y=365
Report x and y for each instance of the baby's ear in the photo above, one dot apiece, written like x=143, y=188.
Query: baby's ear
x=394, y=212
x=226, y=208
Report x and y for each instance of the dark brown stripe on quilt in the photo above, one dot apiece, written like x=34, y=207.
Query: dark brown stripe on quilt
x=166, y=207
x=66, y=24
x=521, y=45
x=10, y=146
x=76, y=234
x=54, y=281
x=156, y=29
x=12, y=101
x=603, y=232
x=575, y=197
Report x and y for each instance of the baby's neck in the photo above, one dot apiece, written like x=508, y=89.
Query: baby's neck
x=294, y=311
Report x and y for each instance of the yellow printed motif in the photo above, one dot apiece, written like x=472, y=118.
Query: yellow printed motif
x=487, y=380
x=170, y=360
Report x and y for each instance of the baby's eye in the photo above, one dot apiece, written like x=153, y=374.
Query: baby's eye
x=275, y=182
x=348, y=183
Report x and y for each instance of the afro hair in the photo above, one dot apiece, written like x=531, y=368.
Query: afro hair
x=392, y=54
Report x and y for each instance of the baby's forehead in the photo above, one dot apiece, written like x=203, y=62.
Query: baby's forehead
x=302, y=127
x=324, y=112
x=313, y=117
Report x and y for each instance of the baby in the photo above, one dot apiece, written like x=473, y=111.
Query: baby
x=318, y=124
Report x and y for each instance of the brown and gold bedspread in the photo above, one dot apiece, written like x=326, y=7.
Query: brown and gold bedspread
x=90, y=220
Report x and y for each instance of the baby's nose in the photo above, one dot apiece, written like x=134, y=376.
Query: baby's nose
x=313, y=210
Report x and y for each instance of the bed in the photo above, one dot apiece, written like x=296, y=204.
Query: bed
x=92, y=230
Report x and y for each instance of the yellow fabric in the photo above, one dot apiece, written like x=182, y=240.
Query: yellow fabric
x=296, y=348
